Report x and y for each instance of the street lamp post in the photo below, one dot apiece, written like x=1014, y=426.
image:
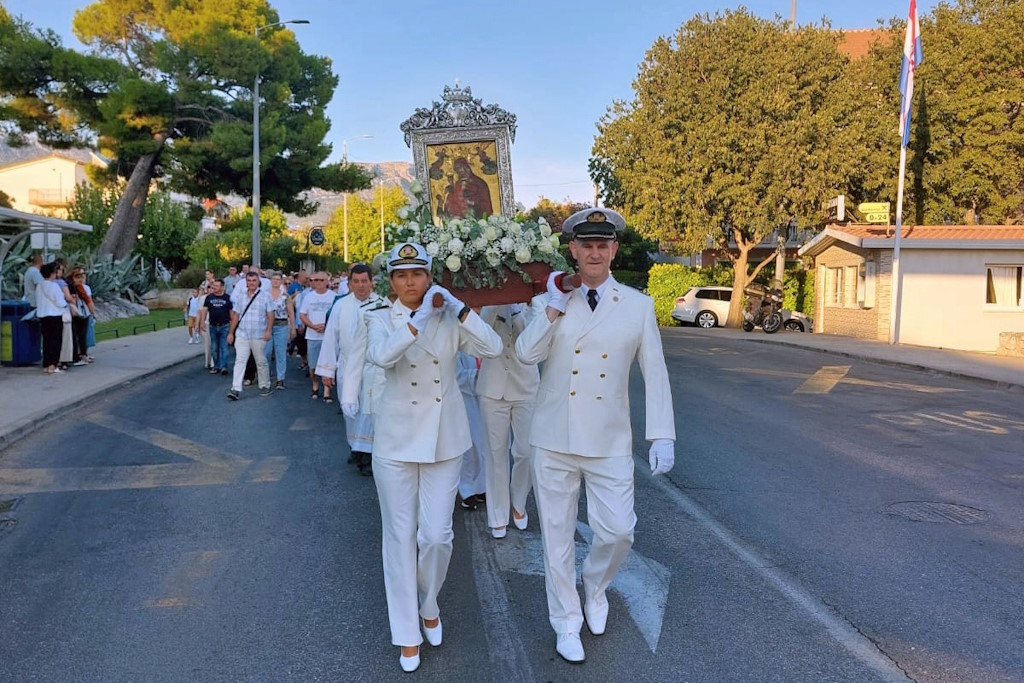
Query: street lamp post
x=381, y=214
x=344, y=159
x=256, y=147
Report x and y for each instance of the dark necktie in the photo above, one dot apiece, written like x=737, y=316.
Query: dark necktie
x=592, y=298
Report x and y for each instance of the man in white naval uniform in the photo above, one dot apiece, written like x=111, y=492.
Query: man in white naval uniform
x=506, y=389
x=343, y=327
x=588, y=339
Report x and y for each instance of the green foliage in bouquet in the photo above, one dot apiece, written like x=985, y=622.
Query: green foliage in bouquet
x=476, y=251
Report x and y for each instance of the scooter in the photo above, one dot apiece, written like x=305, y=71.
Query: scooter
x=764, y=307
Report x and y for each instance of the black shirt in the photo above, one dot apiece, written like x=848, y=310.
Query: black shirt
x=219, y=307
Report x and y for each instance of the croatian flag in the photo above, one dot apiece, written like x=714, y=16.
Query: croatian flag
x=912, y=58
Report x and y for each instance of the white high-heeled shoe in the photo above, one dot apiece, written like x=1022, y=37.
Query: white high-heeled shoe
x=520, y=522
x=409, y=664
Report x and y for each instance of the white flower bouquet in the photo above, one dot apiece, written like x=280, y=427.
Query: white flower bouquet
x=478, y=253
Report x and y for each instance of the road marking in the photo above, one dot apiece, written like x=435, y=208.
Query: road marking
x=844, y=633
x=509, y=661
x=182, y=582
x=824, y=380
x=208, y=467
x=971, y=420
x=642, y=582
x=301, y=424
x=898, y=386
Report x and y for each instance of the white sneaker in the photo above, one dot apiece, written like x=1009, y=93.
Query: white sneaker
x=434, y=634
x=570, y=648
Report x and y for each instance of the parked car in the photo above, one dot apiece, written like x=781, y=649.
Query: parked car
x=709, y=307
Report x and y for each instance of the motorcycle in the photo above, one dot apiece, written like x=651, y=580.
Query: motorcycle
x=764, y=307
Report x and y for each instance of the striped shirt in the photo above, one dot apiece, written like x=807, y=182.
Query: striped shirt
x=252, y=325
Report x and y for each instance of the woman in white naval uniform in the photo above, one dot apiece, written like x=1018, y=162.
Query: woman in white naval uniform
x=420, y=430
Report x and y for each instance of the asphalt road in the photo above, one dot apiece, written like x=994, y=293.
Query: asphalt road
x=827, y=520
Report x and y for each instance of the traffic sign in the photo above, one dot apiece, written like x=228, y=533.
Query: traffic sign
x=881, y=218
x=316, y=237
x=873, y=207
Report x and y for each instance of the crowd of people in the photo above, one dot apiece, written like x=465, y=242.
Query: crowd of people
x=62, y=303
x=446, y=405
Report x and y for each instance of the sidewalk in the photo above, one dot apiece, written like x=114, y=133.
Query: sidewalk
x=1001, y=371
x=29, y=398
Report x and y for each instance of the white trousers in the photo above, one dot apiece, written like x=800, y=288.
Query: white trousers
x=556, y=485
x=257, y=347
x=504, y=487
x=472, y=478
x=416, y=504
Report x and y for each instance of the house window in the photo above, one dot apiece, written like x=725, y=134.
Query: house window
x=834, y=291
x=1003, y=286
x=850, y=291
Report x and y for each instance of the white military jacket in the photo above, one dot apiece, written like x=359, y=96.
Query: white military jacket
x=506, y=377
x=421, y=415
x=339, y=342
x=583, y=401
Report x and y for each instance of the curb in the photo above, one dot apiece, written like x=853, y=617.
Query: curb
x=31, y=424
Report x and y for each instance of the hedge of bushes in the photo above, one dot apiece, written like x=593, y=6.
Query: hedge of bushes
x=667, y=281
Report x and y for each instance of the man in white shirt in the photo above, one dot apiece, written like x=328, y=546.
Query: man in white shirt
x=252, y=323
x=313, y=314
x=356, y=384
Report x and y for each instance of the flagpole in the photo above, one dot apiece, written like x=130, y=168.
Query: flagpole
x=896, y=288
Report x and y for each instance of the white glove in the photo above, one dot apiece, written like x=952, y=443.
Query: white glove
x=662, y=456
x=350, y=409
x=557, y=299
x=424, y=313
x=452, y=303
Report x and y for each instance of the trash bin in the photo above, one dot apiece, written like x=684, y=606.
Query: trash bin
x=20, y=341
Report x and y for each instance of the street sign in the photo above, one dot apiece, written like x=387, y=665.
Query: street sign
x=880, y=218
x=316, y=237
x=873, y=207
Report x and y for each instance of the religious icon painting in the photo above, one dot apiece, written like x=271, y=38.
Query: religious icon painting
x=463, y=179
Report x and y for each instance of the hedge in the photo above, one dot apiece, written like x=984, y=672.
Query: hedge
x=668, y=281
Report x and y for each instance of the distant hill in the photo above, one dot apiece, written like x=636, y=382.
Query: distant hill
x=394, y=173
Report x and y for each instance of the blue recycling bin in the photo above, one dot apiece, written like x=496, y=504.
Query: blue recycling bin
x=20, y=340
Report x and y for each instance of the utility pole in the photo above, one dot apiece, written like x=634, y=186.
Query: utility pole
x=792, y=16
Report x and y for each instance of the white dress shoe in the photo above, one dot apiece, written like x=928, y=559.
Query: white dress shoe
x=520, y=522
x=433, y=635
x=497, y=532
x=570, y=648
x=409, y=664
x=596, y=612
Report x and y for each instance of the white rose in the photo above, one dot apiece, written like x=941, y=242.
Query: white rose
x=515, y=229
x=493, y=258
x=507, y=245
x=453, y=263
x=455, y=246
x=403, y=213
x=522, y=254
x=480, y=243
x=414, y=226
x=444, y=236
x=545, y=247
x=542, y=221
x=433, y=248
x=554, y=241
x=415, y=187
x=545, y=229
x=490, y=234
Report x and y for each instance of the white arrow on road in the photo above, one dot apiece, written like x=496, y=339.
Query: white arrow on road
x=642, y=582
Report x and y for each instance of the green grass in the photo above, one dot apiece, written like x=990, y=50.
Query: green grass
x=139, y=324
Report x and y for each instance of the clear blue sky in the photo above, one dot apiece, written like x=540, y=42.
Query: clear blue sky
x=556, y=64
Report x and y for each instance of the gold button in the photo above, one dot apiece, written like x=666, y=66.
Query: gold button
x=414, y=383
x=572, y=393
x=598, y=398
x=435, y=361
x=604, y=355
x=577, y=350
x=415, y=403
x=438, y=399
x=506, y=369
x=412, y=365
x=507, y=357
x=575, y=372
x=614, y=298
x=602, y=375
x=437, y=381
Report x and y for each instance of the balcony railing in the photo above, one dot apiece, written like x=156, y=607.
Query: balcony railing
x=50, y=197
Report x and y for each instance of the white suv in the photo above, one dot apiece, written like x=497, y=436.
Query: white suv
x=704, y=306
x=709, y=307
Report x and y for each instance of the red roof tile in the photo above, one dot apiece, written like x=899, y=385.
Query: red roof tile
x=856, y=43
x=936, y=232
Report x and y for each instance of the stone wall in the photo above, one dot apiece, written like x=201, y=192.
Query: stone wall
x=848, y=321
x=166, y=298
x=1011, y=344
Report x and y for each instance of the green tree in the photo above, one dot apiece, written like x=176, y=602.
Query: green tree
x=168, y=228
x=93, y=205
x=738, y=127
x=167, y=88
x=553, y=212
x=364, y=221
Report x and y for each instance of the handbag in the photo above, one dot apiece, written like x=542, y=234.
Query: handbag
x=65, y=315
